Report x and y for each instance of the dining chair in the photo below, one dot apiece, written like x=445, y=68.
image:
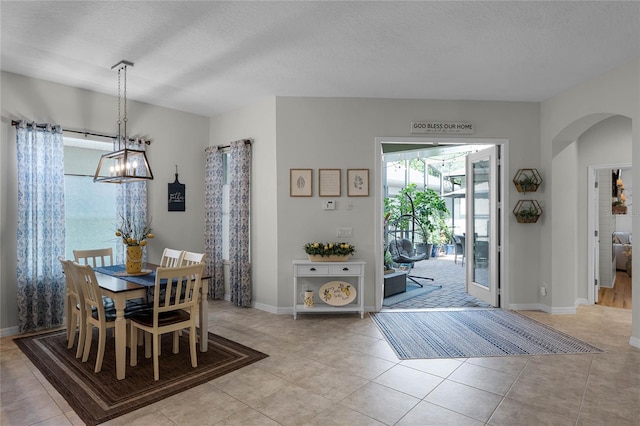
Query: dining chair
x=92, y=256
x=74, y=308
x=101, y=317
x=171, y=314
x=191, y=258
x=171, y=258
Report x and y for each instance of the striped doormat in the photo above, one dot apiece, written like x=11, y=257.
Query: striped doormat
x=473, y=333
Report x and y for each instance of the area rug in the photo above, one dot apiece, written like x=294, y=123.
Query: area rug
x=98, y=397
x=412, y=291
x=473, y=333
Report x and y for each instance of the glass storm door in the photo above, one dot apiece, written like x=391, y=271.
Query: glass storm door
x=482, y=278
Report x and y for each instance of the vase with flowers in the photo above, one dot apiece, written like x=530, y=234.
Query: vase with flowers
x=329, y=252
x=134, y=235
x=618, y=205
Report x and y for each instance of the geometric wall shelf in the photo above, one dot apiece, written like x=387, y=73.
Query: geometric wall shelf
x=527, y=180
x=527, y=211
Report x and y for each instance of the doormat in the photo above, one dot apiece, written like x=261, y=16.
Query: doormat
x=473, y=333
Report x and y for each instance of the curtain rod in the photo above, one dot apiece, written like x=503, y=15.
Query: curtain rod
x=83, y=132
x=246, y=142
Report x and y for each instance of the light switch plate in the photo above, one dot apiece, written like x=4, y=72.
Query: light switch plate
x=344, y=232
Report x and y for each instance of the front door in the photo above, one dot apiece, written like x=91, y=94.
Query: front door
x=482, y=278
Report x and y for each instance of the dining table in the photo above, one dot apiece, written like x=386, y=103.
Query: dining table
x=116, y=284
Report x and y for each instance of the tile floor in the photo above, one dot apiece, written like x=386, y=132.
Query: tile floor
x=339, y=370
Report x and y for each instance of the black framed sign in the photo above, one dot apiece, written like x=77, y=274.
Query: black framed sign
x=177, y=195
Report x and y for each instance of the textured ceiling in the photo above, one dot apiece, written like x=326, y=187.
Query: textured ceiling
x=208, y=57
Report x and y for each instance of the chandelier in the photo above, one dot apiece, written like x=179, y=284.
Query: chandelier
x=125, y=164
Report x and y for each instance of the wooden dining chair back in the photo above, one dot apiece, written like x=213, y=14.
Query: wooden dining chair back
x=171, y=258
x=74, y=308
x=191, y=258
x=170, y=314
x=94, y=257
x=97, y=316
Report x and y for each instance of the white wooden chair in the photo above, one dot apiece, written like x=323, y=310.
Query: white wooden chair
x=170, y=314
x=191, y=258
x=74, y=308
x=101, y=317
x=171, y=258
x=94, y=257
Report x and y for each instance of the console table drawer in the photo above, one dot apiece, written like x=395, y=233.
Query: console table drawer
x=312, y=270
x=345, y=270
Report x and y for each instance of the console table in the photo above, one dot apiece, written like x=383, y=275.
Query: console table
x=335, y=270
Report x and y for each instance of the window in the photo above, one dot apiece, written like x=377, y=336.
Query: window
x=89, y=207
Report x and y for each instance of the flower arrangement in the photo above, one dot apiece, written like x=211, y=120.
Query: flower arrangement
x=328, y=249
x=133, y=234
x=621, y=198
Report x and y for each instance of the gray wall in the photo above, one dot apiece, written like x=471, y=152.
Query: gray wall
x=178, y=138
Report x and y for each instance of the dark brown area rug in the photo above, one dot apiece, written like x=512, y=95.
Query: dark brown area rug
x=98, y=397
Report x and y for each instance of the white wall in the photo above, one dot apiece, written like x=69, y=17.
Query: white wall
x=563, y=119
x=607, y=142
x=257, y=122
x=178, y=138
x=340, y=133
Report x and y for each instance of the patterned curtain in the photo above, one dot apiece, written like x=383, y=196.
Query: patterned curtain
x=214, y=181
x=41, y=235
x=131, y=203
x=239, y=213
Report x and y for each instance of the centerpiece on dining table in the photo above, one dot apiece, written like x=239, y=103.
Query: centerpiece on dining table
x=329, y=252
x=134, y=235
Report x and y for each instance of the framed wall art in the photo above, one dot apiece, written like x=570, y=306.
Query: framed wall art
x=300, y=182
x=329, y=182
x=358, y=182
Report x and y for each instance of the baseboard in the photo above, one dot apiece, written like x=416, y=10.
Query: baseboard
x=635, y=342
x=529, y=307
x=11, y=331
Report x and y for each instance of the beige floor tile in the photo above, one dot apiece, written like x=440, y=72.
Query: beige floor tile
x=442, y=367
x=248, y=417
x=559, y=394
x=25, y=387
x=408, y=380
x=483, y=378
x=250, y=385
x=339, y=415
x=426, y=413
x=511, y=412
x=60, y=420
x=28, y=411
x=507, y=364
x=203, y=405
x=381, y=403
x=381, y=349
x=463, y=399
x=293, y=406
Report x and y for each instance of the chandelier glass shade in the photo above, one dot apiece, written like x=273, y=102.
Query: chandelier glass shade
x=125, y=164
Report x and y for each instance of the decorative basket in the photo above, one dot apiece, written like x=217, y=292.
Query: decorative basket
x=330, y=258
x=618, y=209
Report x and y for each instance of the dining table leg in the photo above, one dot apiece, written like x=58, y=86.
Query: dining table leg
x=121, y=337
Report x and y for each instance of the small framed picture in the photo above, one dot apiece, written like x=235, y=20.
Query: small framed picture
x=300, y=182
x=329, y=182
x=358, y=182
